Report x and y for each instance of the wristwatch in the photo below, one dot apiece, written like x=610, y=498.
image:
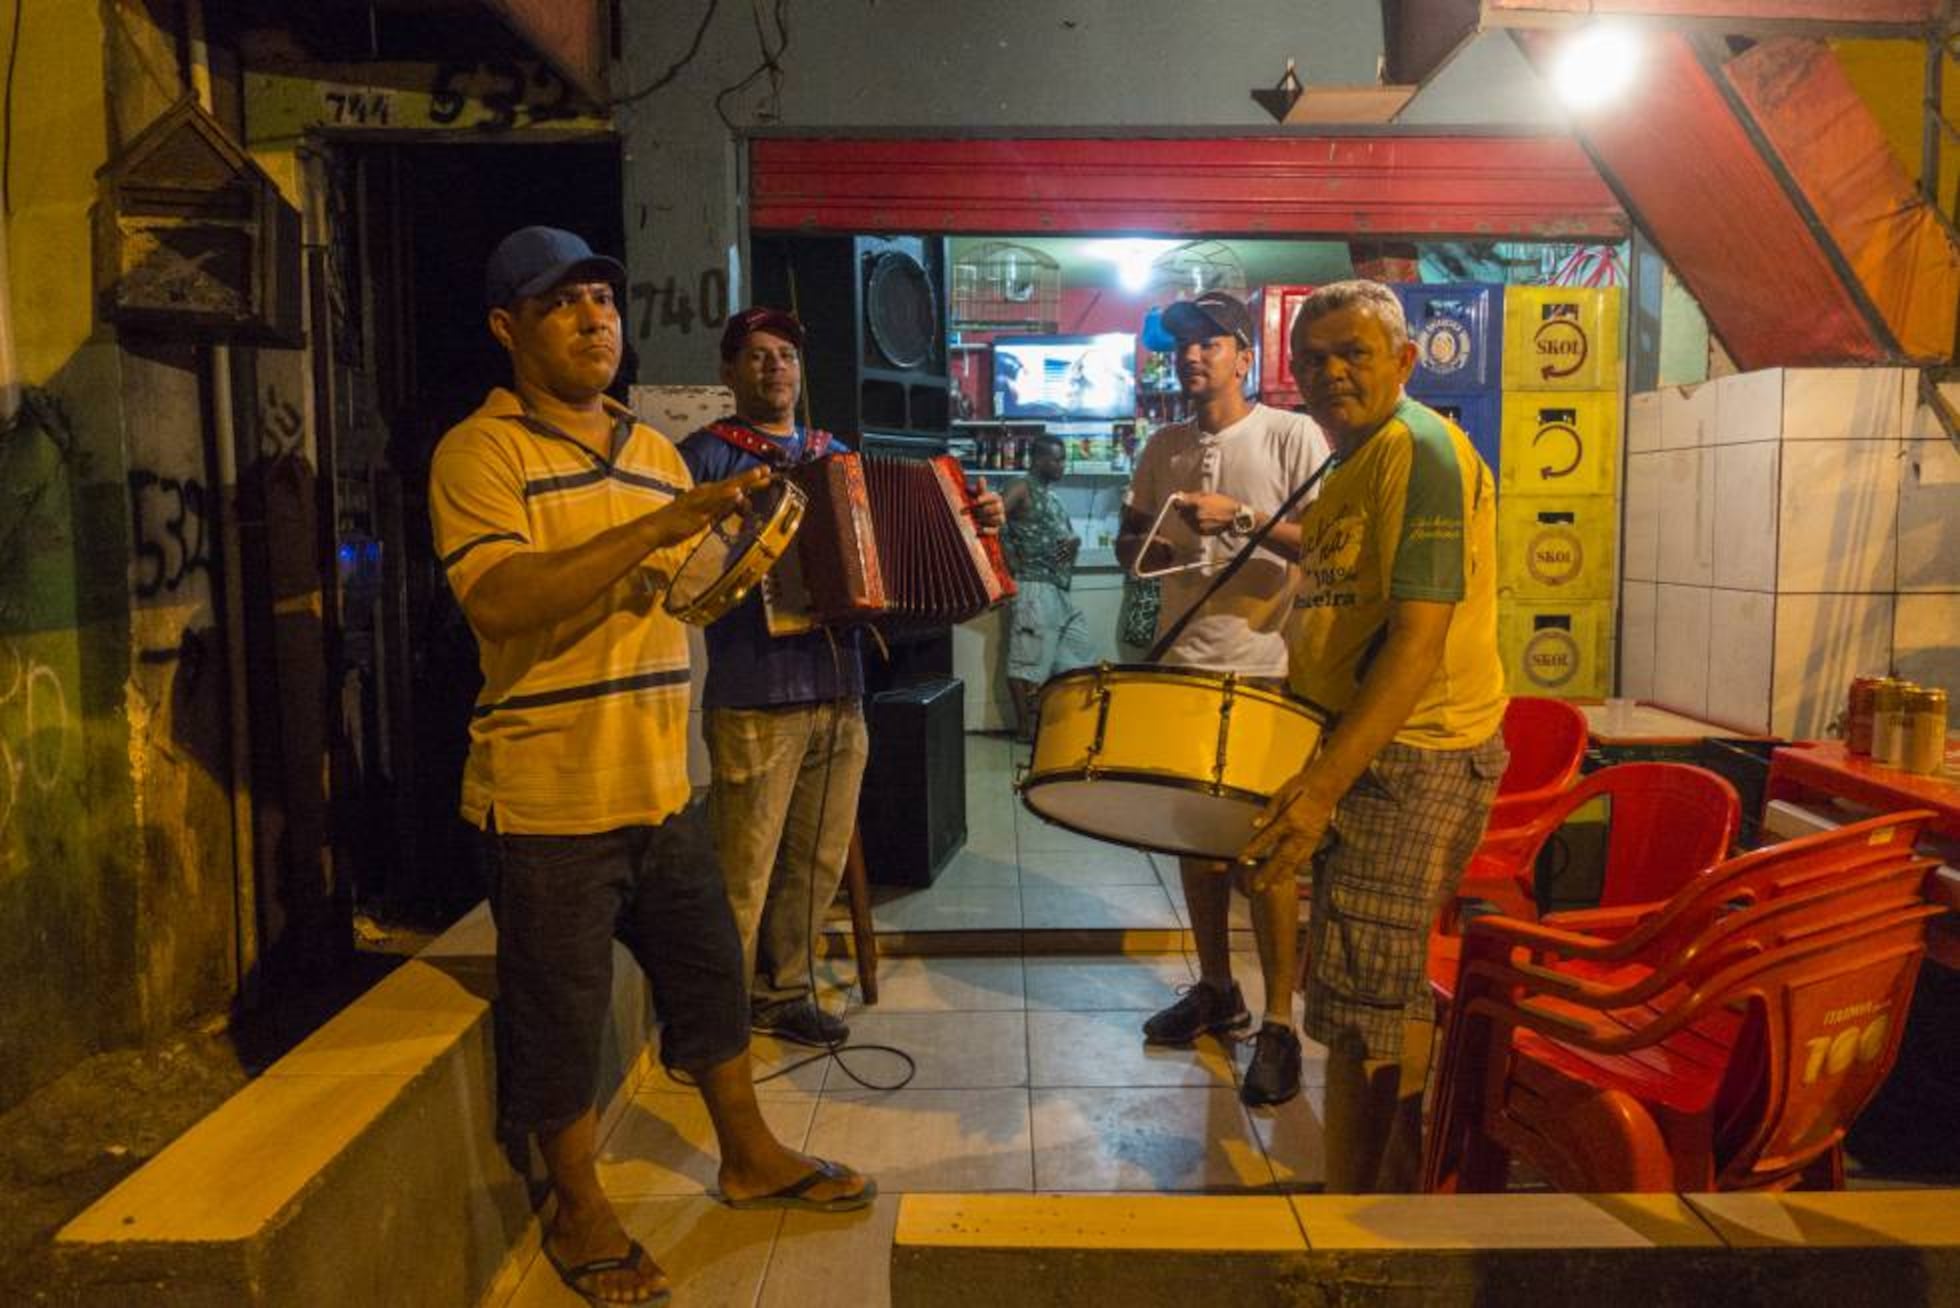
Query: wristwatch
x=1244, y=520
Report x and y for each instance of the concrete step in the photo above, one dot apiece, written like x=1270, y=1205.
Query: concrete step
x=361, y=1168
x=1532, y=1250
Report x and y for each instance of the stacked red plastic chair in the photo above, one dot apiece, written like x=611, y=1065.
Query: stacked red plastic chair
x=1723, y=1040
x=1669, y=824
x=1546, y=739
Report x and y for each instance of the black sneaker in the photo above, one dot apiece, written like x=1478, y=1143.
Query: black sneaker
x=800, y=1022
x=1273, y=1075
x=1202, y=1009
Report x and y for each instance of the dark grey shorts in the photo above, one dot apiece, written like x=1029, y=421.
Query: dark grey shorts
x=1401, y=838
x=559, y=903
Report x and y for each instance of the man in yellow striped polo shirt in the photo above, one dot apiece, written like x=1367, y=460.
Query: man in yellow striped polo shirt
x=559, y=520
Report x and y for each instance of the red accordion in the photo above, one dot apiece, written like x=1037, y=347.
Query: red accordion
x=889, y=541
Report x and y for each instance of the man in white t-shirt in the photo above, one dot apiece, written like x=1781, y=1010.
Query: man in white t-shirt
x=1229, y=469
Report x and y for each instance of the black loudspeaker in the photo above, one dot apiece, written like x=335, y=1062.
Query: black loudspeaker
x=875, y=312
x=912, y=812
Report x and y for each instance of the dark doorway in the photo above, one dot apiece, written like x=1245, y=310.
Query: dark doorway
x=424, y=218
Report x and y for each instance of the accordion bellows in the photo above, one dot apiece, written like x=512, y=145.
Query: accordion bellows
x=890, y=541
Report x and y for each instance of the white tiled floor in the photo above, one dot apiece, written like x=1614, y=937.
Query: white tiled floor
x=1016, y=872
x=1031, y=1075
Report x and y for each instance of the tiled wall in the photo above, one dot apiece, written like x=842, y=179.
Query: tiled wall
x=1926, y=617
x=1786, y=530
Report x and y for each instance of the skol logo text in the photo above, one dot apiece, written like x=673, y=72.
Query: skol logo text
x=1555, y=555
x=1560, y=347
x=1551, y=658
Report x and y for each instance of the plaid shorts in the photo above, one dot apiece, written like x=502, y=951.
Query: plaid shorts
x=1401, y=837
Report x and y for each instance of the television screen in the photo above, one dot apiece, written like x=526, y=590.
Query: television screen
x=1065, y=377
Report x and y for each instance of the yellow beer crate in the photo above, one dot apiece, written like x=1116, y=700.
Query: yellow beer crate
x=1560, y=442
x=1564, y=651
x=1560, y=338
x=1556, y=547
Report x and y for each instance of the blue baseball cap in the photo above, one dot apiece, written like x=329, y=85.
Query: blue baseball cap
x=532, y=260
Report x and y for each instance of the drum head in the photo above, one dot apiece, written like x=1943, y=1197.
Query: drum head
x=708, y=567
x=1168, y=817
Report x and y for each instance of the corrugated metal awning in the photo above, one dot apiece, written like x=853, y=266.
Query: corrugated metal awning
x=1375, y=186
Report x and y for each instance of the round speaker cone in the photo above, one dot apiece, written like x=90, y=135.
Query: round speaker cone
x=900, y=309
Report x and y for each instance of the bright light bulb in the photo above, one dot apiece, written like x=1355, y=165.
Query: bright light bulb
x=1134, y=258
x=1596, y=66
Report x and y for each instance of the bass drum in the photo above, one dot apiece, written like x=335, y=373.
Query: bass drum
x=1173, y=760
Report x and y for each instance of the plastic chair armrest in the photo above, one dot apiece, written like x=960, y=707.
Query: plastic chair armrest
x=1612, y=922
x=1518, y=808
x=1535, y=936
x=1546, y=1021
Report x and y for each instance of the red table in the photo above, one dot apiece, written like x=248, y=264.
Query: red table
x=1825, y=769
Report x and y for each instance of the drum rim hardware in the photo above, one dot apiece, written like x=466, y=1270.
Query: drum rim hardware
x=1089, y=769
x=1224, y=733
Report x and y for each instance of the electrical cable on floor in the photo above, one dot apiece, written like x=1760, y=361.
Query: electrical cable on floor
x=833, y=1052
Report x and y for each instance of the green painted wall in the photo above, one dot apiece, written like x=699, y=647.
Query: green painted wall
x=116, y=920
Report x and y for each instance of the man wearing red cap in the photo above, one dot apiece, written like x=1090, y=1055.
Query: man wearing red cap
x=559, y=520
x=782, y=713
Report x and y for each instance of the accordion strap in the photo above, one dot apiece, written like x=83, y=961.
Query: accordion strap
x=816, y=442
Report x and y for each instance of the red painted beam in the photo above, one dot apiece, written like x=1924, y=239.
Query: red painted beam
x=1902, y=255
x=1741, y=15
x=1696, y=182
x=1427, y=186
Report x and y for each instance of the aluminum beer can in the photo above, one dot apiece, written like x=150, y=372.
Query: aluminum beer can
x=1889, y=722
x=1858, y=714
x=1925, y=731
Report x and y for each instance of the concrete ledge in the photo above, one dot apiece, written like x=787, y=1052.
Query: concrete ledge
x=1256, y=1251
x=361, y=1168
x=836, y=942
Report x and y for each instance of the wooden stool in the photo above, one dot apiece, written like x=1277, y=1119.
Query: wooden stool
x=864, y=939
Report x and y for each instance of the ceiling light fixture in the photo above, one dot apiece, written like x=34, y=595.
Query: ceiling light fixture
x=1596, y=66
x=1133, y=258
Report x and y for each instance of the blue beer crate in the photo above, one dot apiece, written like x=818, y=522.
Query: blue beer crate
x=1458, y=330
x=1480, y=416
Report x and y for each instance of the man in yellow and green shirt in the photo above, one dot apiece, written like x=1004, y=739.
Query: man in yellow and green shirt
x=1395, y=631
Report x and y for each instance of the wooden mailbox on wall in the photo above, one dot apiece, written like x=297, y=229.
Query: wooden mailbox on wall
x=193, y=236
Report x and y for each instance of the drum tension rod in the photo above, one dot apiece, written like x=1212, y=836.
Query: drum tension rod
x=1101, y=693
x=1224, y=734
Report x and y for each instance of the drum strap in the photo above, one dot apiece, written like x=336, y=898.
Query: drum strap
x=816, y=442
x=1231, y=569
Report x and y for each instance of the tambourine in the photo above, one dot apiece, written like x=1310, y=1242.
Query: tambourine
x=735, y=553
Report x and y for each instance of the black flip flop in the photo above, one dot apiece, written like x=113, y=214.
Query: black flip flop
x=629, y=1261
x=796, y=1194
